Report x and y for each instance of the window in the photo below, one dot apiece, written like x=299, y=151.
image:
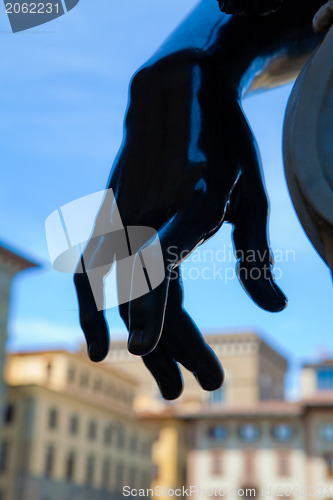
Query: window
x=133, y=443
x=53, y=418
x=249, y=433
x=216, y=463
x=9, y=413
x=90, y=470
x=71, y=374
x=49, y=461
x=121, y=437
x=249, y=466
x=106, y=469
x=283, y=462
x=3, y=456
x=84, y=379
x=325, y=378
x=48, y=371
x=146, y=448
x=70, y=466
x=218, y=396
x=98, y=384
x=74, y=425
x=265, y=383
x=283, y=432
x=326, y=432
x=132, y=477
x=92, y=430
x=119, y=477
x=329, y=465
x=218, y=432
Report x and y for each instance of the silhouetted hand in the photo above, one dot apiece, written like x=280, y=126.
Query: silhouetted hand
x=188, y=163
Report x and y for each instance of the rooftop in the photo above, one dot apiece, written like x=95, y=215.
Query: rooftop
x=264, y=409
x=14, y=261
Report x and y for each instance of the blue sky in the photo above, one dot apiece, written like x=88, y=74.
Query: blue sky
x=63, y=96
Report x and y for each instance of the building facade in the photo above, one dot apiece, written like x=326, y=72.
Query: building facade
x=271, y=448
x=10, y=265
x=70, y=430
x=260, y=378
x=74, y=429
x=244, y=440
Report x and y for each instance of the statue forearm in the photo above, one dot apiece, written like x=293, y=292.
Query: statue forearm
x=188, y=163
x=243, y=46
x=249, y=7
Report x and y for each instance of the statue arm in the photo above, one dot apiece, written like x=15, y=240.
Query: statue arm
x=249, y=7
x=187, y=164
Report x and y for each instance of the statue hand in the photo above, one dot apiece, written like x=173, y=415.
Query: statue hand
x=188, y=163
